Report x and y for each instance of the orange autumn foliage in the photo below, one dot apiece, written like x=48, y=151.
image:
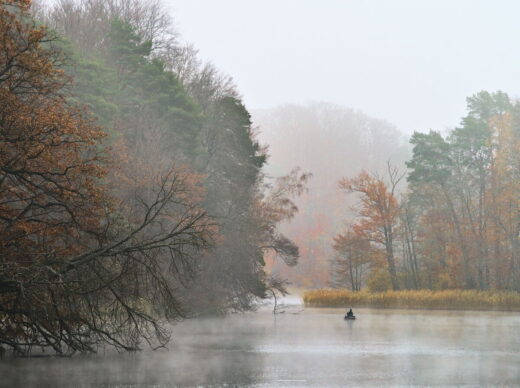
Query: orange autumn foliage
x=87, y=256
x=378, y=212
x=49, y=161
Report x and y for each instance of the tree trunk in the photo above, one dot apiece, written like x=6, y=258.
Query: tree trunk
x=390, y=256
x=468, y=279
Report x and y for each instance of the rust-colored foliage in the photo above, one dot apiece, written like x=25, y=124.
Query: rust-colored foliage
x=353, y=254
x=379, y=207
x=378, y=211
x=86, y=257
x=276, y=207
x=51, y=203
x=50, y=167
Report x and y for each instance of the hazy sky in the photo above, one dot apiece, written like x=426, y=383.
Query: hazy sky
x=410, y=62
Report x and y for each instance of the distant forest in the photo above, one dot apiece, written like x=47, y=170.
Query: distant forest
x=330, y=141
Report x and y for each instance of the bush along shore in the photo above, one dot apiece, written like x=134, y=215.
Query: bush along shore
x=415, y=299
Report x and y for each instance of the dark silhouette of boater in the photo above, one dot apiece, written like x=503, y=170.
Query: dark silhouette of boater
x=350, y=315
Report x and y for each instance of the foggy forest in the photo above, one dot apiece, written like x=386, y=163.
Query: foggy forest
x=159, y=230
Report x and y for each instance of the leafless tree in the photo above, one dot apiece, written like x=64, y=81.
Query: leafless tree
x=120, y=291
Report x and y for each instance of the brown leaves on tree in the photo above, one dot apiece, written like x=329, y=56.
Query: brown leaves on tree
x=49, y=166
x=276, y=207
x=87, y=257
x=378, y=211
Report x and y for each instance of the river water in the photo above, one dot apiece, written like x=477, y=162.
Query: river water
x=303, y=348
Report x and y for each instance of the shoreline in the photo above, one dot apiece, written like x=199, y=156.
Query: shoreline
x=452, y=300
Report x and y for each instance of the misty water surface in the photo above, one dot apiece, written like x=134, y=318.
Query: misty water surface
x=314, y=347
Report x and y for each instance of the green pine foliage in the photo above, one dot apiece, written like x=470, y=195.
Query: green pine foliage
x=203, y=124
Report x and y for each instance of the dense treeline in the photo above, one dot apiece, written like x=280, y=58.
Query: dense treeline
x=131, y=184
x=457, y=225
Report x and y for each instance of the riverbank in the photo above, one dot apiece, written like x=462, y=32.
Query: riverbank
x=411, y=299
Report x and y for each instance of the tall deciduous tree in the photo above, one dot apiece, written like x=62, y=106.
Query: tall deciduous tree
x=379, y=212
x=352, y=259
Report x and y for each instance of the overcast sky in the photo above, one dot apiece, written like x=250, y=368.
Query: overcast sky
x=410, y=62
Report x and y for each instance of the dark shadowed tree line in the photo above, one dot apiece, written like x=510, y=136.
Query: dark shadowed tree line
x=131, y=184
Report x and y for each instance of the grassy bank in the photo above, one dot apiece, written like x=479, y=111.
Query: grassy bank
x=422, y=299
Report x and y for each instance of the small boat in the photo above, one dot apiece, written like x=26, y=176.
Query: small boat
x=351, y=318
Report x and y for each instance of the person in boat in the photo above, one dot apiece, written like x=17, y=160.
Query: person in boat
x=350, y=314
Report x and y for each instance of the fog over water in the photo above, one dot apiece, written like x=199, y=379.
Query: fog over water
x=315, y=348
x=410, y=62
x=169, y=169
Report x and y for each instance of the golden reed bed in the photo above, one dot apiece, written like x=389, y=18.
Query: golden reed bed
x=421, y=299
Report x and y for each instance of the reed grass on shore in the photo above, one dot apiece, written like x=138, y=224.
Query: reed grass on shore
x=412, y=299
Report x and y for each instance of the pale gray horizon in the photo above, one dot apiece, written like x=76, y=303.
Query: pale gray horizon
x=412, y=63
